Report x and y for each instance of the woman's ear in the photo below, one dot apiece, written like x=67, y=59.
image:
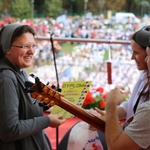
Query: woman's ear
x=8, y=52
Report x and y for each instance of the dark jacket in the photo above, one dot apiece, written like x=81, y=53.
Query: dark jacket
x=22, y=122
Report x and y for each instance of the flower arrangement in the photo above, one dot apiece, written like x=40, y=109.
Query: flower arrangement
x=95, y=98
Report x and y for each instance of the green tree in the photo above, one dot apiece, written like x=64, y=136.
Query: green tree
x=1, y=5
x=145, y=5
x=132, y=5
x=115, y=5
x=38, y=7
x=52, y=8
x=73, y=7
x=138, y=6
x=4, y=4
x=20, y=9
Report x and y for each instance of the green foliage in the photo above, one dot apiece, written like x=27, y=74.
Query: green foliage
x=115, y=5
x=52, y=8
x=92, y=105
x=1, y=5
x=20, y=9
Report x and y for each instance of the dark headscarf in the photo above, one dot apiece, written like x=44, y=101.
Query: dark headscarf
x=6, y=34
x=142, y=37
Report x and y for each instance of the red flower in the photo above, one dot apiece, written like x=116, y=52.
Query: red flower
x=102, y=104
x=104, y=96
x=100, y=90
x=89, y=98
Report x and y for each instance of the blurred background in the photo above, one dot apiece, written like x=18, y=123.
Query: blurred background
x=105, y=25
x=53, y=8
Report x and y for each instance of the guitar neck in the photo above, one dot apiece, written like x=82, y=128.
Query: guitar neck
x=82, y=114
x=51, y=97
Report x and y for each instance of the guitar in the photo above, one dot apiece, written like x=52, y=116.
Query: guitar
x=51, y=97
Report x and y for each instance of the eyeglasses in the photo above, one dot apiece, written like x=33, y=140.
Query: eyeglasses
x=26, y=47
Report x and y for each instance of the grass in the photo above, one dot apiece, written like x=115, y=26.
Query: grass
x=67, y=47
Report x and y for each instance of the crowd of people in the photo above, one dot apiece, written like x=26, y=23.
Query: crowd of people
x=86, y=61
x=22, y=120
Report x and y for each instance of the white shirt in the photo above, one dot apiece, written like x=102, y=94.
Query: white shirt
x=129, y=104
